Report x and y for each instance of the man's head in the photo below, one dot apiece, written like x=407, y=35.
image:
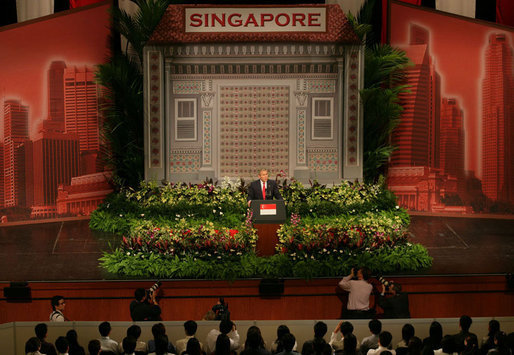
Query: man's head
x=465, y=323
x=62, y=345
x=129, y=345
x=375, y=326
x=134, y=331
x=140, y=294
x=94, y=347
x=320, y=329
x=226, y=326
x=41, y=330
x=158, y=330
x=58, y=303
x=363, y=273
x=263, y=175
x=346, y=328
x=104, y=328
x=385, y=339
x=32, y=345
x=190, y=327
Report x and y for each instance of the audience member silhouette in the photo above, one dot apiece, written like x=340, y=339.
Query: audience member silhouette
x=488, y=341
x=278, y=346
x=318, y=345
x=75, y=348
x=464, y=324
x=288, y=342
x=94, y=347
x=47, y=348
x=254, y=344
x=159, y=331
x=62, y=346
x=384, y=343
x=371, y=342
x=32, y=346
x=435, y=335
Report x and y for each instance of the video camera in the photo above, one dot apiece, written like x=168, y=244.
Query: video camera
x=221, y=310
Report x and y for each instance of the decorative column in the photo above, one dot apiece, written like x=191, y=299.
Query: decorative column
x=301, y=170
x=207, y=103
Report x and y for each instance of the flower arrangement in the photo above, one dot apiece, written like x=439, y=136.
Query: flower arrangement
x=205, y=230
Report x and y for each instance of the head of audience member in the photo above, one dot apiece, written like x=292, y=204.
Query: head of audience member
x=58, y=303
x=435, y=333
x=465, y=323
x=190, y=328
x=448, y=344
x=140, y=294
x=427, y=350
x=288, y=340
x=193, y=347
x=282, y=330
x=94, y=347
x=407, y=332
x=161, y=345
x=414, y=346
x=134, y=331
x=346, y=328
x=320, y=329
x=384, y=339
x=494, y=326
x=105, y=329
x=350, y=344
x=222, y=345
x=72, y=338
x=32, y=345
x=41, y=331
x=158, y=330
x=375, y=326
x=363, y=273
x=263, y=175
x=210, y=315
x=61, y=345
x=129, y=345
x=254, y=338
x=501, y=342
x=226, y=326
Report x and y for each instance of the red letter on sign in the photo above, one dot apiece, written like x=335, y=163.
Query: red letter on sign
x=234, y=22
x=266, y=18
x=283, y=23
x=300, y=18
x=314, y=20
x=251, y=19
x=196, y=20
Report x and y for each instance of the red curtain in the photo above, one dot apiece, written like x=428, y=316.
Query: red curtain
x=78, y=3
x=505, y=12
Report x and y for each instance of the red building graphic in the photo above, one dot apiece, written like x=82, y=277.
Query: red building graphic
x=2, y=175
x=81, y=115
x=56, y=92
x=84, y=194
x=418, y=132
x=16, y=132
x=451, y=143
x=498, y=121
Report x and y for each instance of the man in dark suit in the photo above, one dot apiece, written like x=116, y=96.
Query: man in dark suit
x=263, y=189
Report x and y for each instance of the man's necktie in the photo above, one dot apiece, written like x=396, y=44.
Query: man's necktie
x=264, y=191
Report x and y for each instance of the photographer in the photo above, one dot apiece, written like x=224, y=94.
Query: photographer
x=221, y=310
x=359, y=291
x=395, y=304
x=145, y=306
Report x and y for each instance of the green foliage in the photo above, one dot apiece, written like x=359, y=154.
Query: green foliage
x=122, y=79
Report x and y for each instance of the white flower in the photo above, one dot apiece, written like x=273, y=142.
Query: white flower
x=121, y=215
x=219, y=257
x=213, y=211
x=142, y=214
x=128, y=252
x=397, y=207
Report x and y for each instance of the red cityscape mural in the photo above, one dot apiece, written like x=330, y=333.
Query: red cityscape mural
x=455, y=141
x=52, y=159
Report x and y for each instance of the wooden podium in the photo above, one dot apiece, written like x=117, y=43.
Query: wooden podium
x=267, y=217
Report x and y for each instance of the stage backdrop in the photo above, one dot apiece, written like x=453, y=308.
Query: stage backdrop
x=51, y=153
x=455, y=140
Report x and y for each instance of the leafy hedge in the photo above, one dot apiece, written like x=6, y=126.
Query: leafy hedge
x=205, y=231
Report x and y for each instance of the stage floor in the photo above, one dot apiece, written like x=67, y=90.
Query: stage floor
x=65, y=250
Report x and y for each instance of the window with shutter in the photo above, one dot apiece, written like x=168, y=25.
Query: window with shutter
x=322, y=118
x=185, y=119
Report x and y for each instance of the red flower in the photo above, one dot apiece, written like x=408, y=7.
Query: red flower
x=233, y=232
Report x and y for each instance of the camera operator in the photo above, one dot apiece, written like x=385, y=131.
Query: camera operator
x=395, y=304
x=221, y=310
x=145, y=306
x=359, y=291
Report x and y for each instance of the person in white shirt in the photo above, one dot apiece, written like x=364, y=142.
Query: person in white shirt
x=106, y=343
x=359, y=291
x=371, y=342
x=344, y=328
x=228, y=328
x=190, y=329
x=384, y=342
x=58, y=305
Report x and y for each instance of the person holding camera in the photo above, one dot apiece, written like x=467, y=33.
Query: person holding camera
x=396, y=303
x=145, y=307
x=359, y=292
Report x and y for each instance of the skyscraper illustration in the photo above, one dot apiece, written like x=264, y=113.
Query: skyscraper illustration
x=498, y=121
x=81, y=114
x=452, y=139
x=16, y=132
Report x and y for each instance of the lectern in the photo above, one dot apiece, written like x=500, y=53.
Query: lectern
x=267, y=217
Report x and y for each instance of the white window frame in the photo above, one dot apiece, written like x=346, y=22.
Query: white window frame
x=193, y=118
x=314, y=117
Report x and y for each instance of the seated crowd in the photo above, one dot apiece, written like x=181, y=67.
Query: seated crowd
x=225, y=340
